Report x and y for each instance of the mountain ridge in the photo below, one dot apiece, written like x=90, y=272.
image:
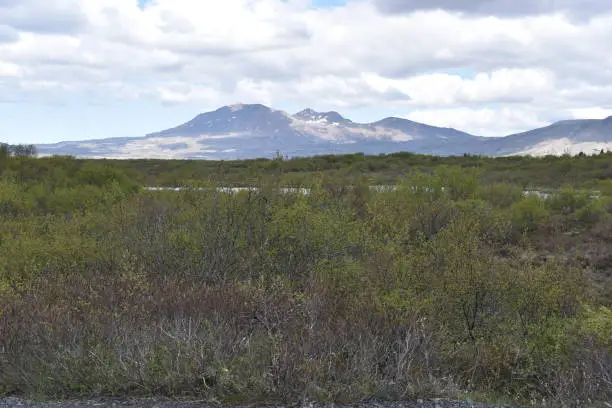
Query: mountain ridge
x=243, y=131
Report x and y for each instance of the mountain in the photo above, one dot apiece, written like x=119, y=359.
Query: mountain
x=244, y=131
x=232, y=119
x=572, y=137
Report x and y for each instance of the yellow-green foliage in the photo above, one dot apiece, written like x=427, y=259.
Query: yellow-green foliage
x=595, y=210
x=598, y=323
x=569, y=200
x=260, y=295
x=528, y=213
x=501, y=194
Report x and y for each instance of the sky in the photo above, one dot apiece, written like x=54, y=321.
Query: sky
x=86, y=69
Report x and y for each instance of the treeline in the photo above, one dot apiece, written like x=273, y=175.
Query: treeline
x=446, y=287
x=19, y=150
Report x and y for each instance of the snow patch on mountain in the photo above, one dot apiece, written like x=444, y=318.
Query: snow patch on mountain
x=177, y=147
x=236, y=107
x=565, y=145
x=157, y=147
x=217, y=137
x=88, y=145
x=325, y=130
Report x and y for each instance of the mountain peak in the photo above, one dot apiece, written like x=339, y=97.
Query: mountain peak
x=245, y=106
x=306, y=112
x=335, y=117
x=393, y=121
x=314, y=116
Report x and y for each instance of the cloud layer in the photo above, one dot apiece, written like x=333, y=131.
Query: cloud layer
x=489, y=67
x=575, y=8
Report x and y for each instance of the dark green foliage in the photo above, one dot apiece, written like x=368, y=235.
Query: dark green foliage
x=443, y=286
x=19, y=150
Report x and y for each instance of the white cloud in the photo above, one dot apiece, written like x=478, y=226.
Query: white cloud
x=481, y=121
x=8, y=69
x=591, y=113
x=475, y=71
x=440, y=89
x=179, y=92
x=45, y=16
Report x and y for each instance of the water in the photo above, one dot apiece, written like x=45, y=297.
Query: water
x=305, y=191
x=284, y=190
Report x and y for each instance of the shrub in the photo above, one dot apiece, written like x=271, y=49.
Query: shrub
x=568, y=200
x=337, y=295
x=529, y=213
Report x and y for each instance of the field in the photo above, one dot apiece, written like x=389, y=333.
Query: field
x=455, y=284
x=593, y=172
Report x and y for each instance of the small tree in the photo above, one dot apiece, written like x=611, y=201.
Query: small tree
x=4, y=150
x=31, y=150
x=22, y=150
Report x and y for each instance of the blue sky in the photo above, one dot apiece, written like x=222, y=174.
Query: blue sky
x=85, y=69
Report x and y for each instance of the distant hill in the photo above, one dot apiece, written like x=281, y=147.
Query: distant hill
x=572, y=137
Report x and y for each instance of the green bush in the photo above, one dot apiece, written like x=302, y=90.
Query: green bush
x=529, y=213
x=593, y=212
x=568, y=200
x=501, y=195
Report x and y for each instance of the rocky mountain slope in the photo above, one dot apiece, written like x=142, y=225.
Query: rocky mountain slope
x=252, y=131
x=565, y=137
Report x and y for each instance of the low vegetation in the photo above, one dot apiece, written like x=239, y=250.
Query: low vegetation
x=551, y=172
x=456, y=284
